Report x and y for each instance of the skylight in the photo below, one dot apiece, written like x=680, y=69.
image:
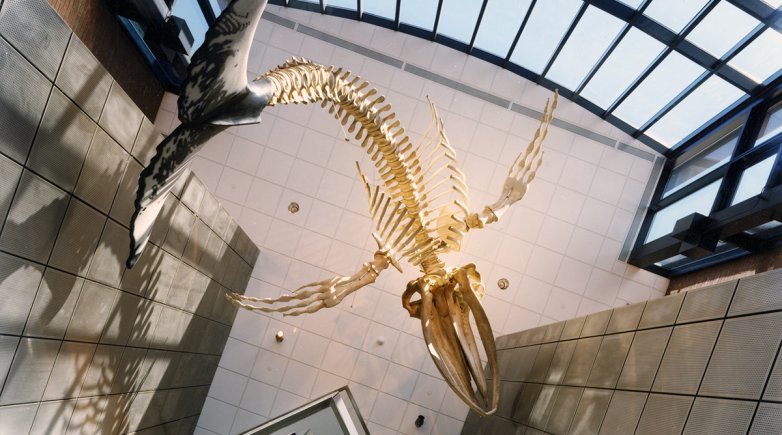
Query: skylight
x=457, y=20
x=590, y=39
x=665, y=82
x=706, y=101
x=674, y=14
x=762, y=58
x=714, y=36
x=547, y=25
x=418, y=13
x=381, y=8
x=657, y=69
x=631, y=57
x=500, y=14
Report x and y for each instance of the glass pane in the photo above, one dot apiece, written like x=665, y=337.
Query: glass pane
x=547, y=25
x=590, y=39
x=700, y=165
x=381, y=8
x=458, y=17
x=632, y=3
x=501, y=22
x=628, y=60
x=763, y=227
x=192, y=14
x=344, y=4
x=671, y=260
x=709, y=99
x=674, y=14
x=773, y=3
x=761, y=59
x=217, y=7
x=722, y=29
x=419, y=13
x=670, y=77
x=698, y=202
x=772, y=125
x=753, y=180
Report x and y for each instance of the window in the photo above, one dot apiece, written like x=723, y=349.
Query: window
x=772, y=125
x=753, y=180
x=704, y=162
x=698, y=202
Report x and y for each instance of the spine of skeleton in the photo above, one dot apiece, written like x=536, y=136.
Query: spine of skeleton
x=366, y=116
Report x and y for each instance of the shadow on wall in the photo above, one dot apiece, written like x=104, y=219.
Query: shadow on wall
x=140, y=346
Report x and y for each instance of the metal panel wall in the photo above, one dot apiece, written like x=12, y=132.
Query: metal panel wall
x=704, y=362
x=86, y=345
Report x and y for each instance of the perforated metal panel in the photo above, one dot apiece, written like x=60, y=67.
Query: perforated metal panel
x=542, y=362
x=34, y=218
x=623, y=413
x=83, y=79
x=68, y=371
x=768, y=419
x=591, y=410
x=102, y=171
x=743, y=356
x=610, y=359
x=122, y=208
x=529, y=397
x=53, y=417
x=581, y=362
x=92, y=312
x=595, y=324
x=643, y=359
x=685, y=359
x=572, y=328
x=78, y=237
x=36, y=30
x=625, y=318
x=756, y=293
x=18, y=419
x=544, y=405
x=18, y=281
x=510, y=394
x=717, y=416
x=774, y=386
x=564, y=409
x=560, y=361
x=706, y=303
x=62, y=142
x=108, y=264
x=121, y=118
x=553, y=332
x=146, y=141
x=661, y=312
x=22, y=105
x=179, y=230
x=7, y=350
x=29, y=371
x=58, y=291
x=664, y=414
x=518, y=363
x=9, y=178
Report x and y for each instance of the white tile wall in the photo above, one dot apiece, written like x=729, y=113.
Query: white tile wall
x=558, y=246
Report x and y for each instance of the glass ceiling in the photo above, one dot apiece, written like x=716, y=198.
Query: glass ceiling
x=657, y=69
